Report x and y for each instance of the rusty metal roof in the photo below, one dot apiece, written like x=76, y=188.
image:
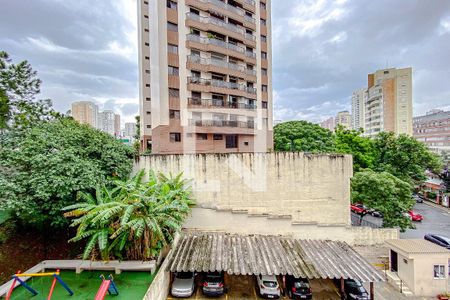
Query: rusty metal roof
x=269, y=255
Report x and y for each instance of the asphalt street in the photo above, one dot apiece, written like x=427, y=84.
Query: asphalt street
x=436, y=220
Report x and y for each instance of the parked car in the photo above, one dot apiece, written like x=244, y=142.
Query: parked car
x=268, y=286
x=415, y=217
x=354, y=290
x=183, y=285
x=298, y=288
x=375, y=213
x=358, y=208
x=417, y=198
x=439, y=240
x=213, y=284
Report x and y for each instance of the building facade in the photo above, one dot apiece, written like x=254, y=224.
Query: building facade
x=359, y=98
x=205, y=76
x=107, y=122
x=433, y=129
x=344, y=119
x=117, y=125
x=130, y=129
x=388, y=106
x=85, y=112
x=329, y=124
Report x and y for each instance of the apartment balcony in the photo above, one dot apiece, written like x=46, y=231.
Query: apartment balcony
x=219, y=46
x=221, y=87
x=215, y=24
x=217, y=103
x=222, y=123
x=224, y=9
x=248, y=4
x=220, y=66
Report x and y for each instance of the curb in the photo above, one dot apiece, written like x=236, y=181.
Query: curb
x=430, y=203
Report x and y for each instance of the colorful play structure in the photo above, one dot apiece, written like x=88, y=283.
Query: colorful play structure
x=107, y=286
x=55, y=275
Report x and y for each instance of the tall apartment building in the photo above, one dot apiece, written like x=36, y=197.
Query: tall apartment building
x=344, y=118
x=117, y=125
x=107, y=122
x=389, y=102
x=434, y=130
x=205, y=75
x=85, y=112
x=359, y=99
x=329, y=124
x=130, y=129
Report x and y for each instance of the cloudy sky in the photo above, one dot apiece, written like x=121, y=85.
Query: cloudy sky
x=323, y=50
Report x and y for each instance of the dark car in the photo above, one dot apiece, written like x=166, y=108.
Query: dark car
x=438, y=240
x=417, y=198
x=213, y=284
x=354, y=290
x=298, y=288
x=375, y=213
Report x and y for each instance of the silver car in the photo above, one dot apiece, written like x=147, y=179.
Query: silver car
x=268, y=286
x=183, y=285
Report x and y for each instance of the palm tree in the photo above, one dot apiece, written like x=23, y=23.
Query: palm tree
x=133, y=219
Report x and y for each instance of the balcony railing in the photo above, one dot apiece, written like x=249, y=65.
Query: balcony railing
x=217, y=22
x=250, y=54
x=222, y=123
x=217, y=103
x=221, y=84
x=216, y=42
x=215, y=62
x=237, y=10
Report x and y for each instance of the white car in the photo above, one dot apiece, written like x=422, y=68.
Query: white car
x=268, y=286
x=183, y=285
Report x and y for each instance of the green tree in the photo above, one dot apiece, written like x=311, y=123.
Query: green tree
x=352, y=142
x=19, y=87
x=137, y=136
x=385, y=193
x=133, y=219
x=404, y=157
x=303, y=136
x=43, y=168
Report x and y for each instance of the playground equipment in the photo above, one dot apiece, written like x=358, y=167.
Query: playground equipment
x=108, y=285
x=55, y=275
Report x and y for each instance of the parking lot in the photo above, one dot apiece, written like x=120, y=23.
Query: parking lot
x=244, y=287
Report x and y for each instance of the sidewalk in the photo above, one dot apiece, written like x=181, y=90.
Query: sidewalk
x=431, y=203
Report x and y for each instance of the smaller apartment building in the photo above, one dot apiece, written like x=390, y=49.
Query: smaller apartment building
x=433, y=129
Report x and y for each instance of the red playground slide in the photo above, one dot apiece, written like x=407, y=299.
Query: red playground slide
x=103, y=290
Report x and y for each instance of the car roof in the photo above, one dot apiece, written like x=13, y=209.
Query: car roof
x=268, y=277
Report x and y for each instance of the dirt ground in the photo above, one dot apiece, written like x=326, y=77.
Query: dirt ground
x=244, y=288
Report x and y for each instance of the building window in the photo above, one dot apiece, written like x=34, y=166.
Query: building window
x=174, y=71
x=172, y=48
x=264, y=72
x=439, y=271
x=218, y=137
x=263, y=22
x=264, y=104
x=147, y=57
x=147, y=99
x=175, y=93
x=171, y=4
x=147, y=85
x=263, y=38
x=264, y=88
x=147, y=71
x=175, y=137
x=147, y=44
x=146, y=2
x=263, y=5
x=174, y=114
x=172, y=27
x=149, y=112
x=231, y=141
x=202, y=136
x=149, y=126
x=145, y=16
x=264, y=55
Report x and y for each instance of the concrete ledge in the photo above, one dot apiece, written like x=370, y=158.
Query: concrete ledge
x=81, y=265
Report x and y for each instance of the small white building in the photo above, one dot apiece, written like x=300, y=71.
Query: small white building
x=421, y=265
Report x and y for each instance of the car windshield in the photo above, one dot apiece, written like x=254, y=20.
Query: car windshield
x=301, y=284
x=185, y=275
x=445, y=239
x=213, y=278
x=270, y=284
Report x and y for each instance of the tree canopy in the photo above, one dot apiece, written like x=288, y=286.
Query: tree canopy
x=43, y=168
x=303, y=136
x=385, y=193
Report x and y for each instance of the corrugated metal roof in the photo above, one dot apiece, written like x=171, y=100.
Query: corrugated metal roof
x=269, y=255
x=417, y=246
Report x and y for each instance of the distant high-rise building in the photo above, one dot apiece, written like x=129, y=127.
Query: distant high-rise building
x=205, y=76
x=388, y=106
x=107, y=121
x=359, y=99
x=130, y=129
x=117, y=125
x=329, y=124
x=433, y=129
x=344, y=119
x=85, y=112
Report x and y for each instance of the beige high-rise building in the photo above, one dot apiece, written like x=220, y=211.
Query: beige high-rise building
x=85, y=112
x=329, y=124
x=389, y=102
x=359, y=98
x=344, y=119
x=205, y=76
x=116, y=125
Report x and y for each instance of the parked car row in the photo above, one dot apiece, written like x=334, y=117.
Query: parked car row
x=361, y=209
